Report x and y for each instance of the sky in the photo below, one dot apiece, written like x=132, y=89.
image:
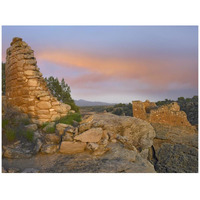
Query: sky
x=115, y=63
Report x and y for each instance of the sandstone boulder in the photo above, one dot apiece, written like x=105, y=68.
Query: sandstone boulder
x=139, y=133
x=67, y=137
x=92, y=146
x=16, y=153
x=60, y=127
x=84, y=127
x=52, y=138
x=31, y=127
x=72, y=147
x=49, y=148
x=91, y=135
x=44, y=105
x=118, y=151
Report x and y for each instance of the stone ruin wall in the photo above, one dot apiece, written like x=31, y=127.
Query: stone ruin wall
x=167, y=114
x=26, y=89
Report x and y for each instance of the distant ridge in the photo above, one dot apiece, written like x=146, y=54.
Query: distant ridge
x=82, y=102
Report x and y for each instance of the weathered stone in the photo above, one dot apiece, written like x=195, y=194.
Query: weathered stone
x=31, y=108
x=42, y=112
x=67, y=137
x=91, y=135
x=92, y=146
x=177, y=158
x=175, y=148
x=84, y=127
x=139, y=132
x=61, y=128
x=44, y=117
x=26, y=88
x=38, y=145
x=69, y=129
x=52, y=138
x=13, y=170
x=87, y=119
x=144, y=153
x=55, y=117
x=44, y=105
x=55, y=103
x=32, y=82
x=117, y=150
x=31, y=127
x=100, y=151
x=49, y=148
x=29, y=73
x=15, y=39
x=46, y=98
x=167, y=114
x=16, y=153
x=72, y=147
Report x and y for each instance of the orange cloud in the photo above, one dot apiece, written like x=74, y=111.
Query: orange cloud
x=155, y=72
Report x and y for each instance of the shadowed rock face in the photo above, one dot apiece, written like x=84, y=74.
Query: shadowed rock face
x=26, y=89
x=175, y=147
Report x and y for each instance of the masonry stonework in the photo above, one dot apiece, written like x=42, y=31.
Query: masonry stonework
x=26, y=89
x=167, y=114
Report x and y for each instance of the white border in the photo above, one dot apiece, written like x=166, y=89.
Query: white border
x=99, y=186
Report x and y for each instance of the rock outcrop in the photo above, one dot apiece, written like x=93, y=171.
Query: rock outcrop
x=101, y=143
x=26, y=89
x=175, y=147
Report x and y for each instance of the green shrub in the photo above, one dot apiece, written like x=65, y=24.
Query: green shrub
x=4, y=123
x=10, y=134
x=44, y=124
x=70, y=118
x=51, y=130
x=28, y=134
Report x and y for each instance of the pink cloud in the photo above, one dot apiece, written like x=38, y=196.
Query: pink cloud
x=160, y=72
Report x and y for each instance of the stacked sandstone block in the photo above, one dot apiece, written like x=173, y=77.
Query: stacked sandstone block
x=26, y=89
x=166, y=114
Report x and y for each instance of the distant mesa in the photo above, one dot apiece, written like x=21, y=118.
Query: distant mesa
x=26, y=89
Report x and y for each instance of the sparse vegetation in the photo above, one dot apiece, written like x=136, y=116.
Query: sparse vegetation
x=13, y=127
x=4, y=123
x=28, y=134
x=121, y=109
x=10, y=134
x=44, y=125
x=50, y=130
x=70, y=118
